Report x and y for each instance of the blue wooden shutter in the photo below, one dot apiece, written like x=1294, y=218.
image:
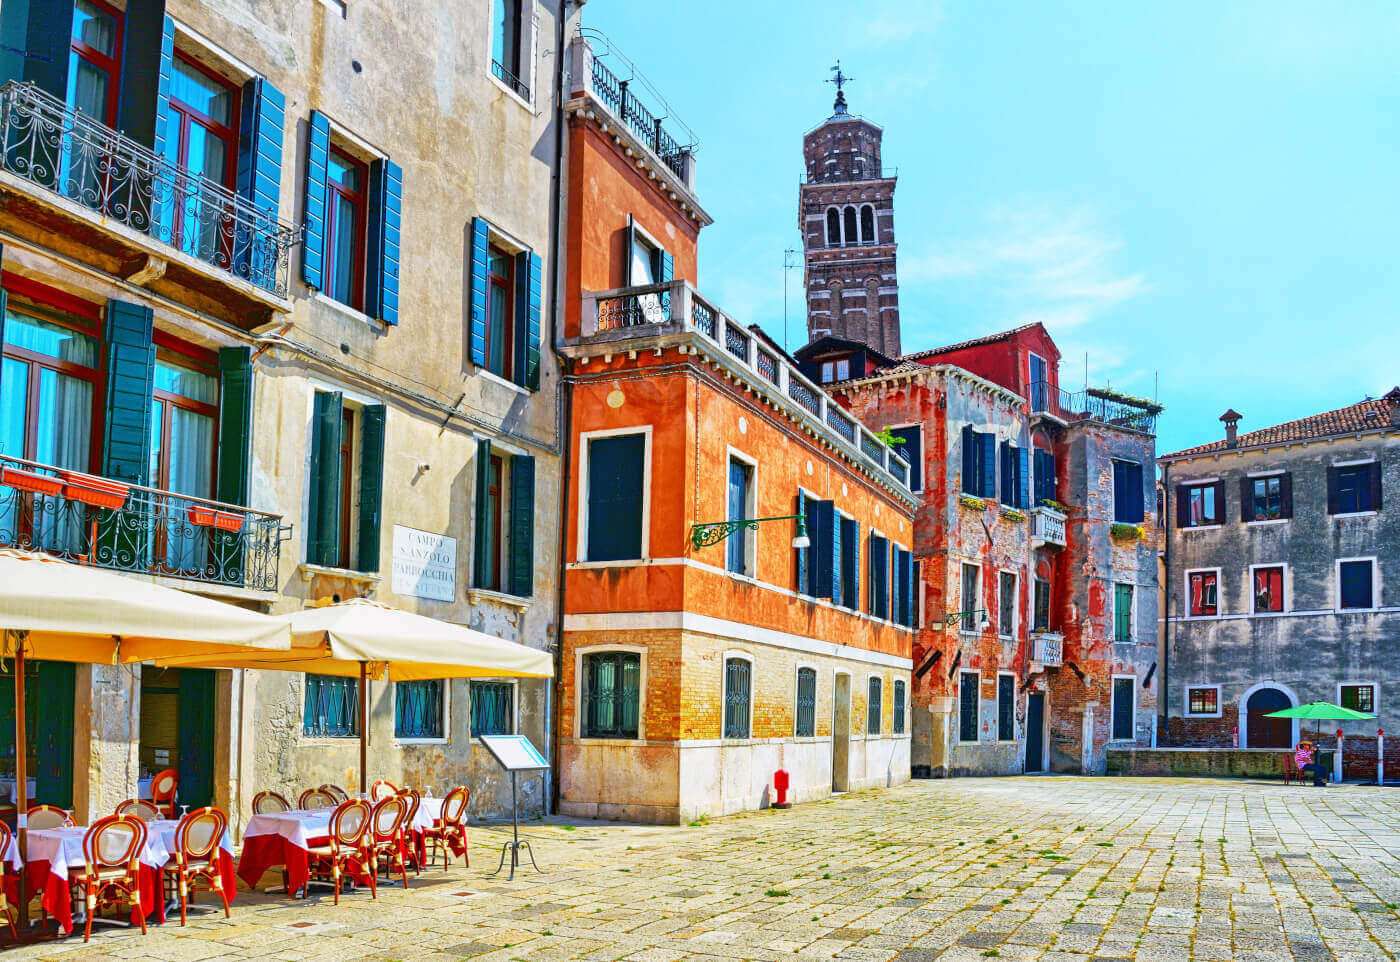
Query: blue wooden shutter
x=372, y=419
x=476, y=333
x=823, y=549
x=235, y=424
x=45, y=46
x=262, y=116
x=323, y=503
x=988, y=444
x=313, y=247
x=853, y=569
x=525, y=370
x=879, y=576
x=522, y=526
x=385, y=223
x=1024, y=477
x=147, y=58
x=668, y=268
x=912, y=450
x=802, y=554
x=615, y=497
x=481, y=553
x=131, y=361
x=969, y=460
x=1008, y=475
x=837, y=548
x=909, y=591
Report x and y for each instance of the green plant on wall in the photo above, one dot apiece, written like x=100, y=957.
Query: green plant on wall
x=888, y=438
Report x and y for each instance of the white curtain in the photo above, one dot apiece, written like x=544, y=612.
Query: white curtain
x=191, y=472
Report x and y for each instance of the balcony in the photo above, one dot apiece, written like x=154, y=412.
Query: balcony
x=1093, y=404
x=93, y=520
x=663, y=315
x=1047, y=527
x=68, y=180
x=1048, y=649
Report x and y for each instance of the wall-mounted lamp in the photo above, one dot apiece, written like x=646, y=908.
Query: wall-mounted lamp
x=713, y=532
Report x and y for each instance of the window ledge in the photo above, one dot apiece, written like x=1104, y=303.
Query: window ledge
x=619, y=563
x=616, y=742
x=1357, y=611
x=477, y=595
x=307, y=570
x=422, y=741
x=1201, y=527
x=1356, y=514
x=349, y=312
x=510, y=93
x=496, y=378
x=1267, y=521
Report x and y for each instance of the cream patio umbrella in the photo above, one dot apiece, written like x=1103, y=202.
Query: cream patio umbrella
x=56, y=611
x=367, y=639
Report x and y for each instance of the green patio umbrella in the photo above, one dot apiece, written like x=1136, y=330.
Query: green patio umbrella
x=1320, y=711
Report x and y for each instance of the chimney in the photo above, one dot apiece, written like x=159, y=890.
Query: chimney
x=1231, y=419
x=1392, y=400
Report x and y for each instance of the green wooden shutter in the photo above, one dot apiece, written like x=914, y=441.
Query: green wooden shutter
x=263, y=114
x=879, y=576
x=476, y=332
x=800, y=554
x=629, y=239
x=235, y=424
x=47, y=44
x=371, y=485
x=481, y=563
x=988, y=442
x=520, y=337
x=385, y=221
x=522, y=525
x=852, y=564
x=837, y=548
x=323, y=507
x=131, y=360
x=1023, y=478
x=313, y=246
x=527, y=323
x=147, y=62
x=823, y=549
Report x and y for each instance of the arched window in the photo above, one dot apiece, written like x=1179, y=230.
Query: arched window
x=867, y=224
x=852, y=237
x=833, y=227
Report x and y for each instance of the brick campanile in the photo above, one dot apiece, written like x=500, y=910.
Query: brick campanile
x=846, y=215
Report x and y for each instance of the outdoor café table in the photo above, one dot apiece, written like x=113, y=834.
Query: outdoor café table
x=283, y=838
x=13, y=865
x=429, y=813
x=166, y=828
x=55, y=854
x=10, y=786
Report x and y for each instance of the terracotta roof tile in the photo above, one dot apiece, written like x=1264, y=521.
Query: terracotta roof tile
x=987, y=339
x=1365, y=416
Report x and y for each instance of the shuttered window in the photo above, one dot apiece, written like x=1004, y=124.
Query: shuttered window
x=850, y=563
x=899, y=708
x=1006, y=708
x=1266, y=499
x=1128, y=496
x=131, y=360
x=1355, y=588
x=970, y=598
x=1006, y=604
x=968, y=705
x=616, y=471
x=1044, y=477
x=873, y=707
x=1123, y=709
x=418, y=708
x=738, y=693
x=503, y=332
x=260, y=174
x=911, y=448
x=332, y=707
x=1012, y=475
x=737, y=545
x=339, y=434
x=823, y=535
x=1200, y=504
x=493, y=708
x=806, y=726
x=1122, y=613
x=879, y=577
x=611, y=694
x=979, y=463
x=1354, y=488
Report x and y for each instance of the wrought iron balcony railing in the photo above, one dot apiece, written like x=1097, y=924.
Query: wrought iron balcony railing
x=635, y=307
x=1092, y=404
x=508, y=77
x=94, y=520
x=616, y=97
x=63, y=150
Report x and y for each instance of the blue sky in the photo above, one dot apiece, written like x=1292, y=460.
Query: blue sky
x=1204, y=193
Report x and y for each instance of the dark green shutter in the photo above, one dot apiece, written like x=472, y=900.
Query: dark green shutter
x=313, y=246
x=522, y=525
x=476, y=333
x=131, y=360
x=837, y=547
x=629, y=240
x=147, y=62
x=526, y=366
x=481, y=562
x=823, y=562
x=323, y=514
x=879, y=576
x=385, y=221
x=195, y=737
x=46, y=47
x=616, y=500
x=371, y=485
x=235, y=424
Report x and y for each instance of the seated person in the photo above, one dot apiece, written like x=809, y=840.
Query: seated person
x=1304, y=756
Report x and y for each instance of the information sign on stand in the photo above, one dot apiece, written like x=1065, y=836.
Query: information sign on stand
x=515, y=754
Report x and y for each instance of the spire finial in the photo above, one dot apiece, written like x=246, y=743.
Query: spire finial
x=840, y=80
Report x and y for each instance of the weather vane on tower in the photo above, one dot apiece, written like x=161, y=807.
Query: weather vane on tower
x=840, y=80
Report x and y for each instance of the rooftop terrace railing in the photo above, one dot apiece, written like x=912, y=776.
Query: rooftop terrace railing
x=1092, y=404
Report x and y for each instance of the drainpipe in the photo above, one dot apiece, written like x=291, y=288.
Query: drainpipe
x=1169, y=635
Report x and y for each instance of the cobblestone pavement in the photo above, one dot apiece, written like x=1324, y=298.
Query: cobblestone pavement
x=1053, y=868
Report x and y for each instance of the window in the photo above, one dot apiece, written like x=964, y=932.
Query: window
x=1122, y=613
x=611, y=694
x=505, y=521
x=1354, y=488
x=867, y=224
x=806, y=703
x=1268, y=589
x=201, y=137
x=968, y=684
x=873, y=708
x=1124, y=709
x=904, y=573
x=833, y=227
x=1203, y=700
x=493, y=708
x=1355, y=583
x=1357, y=697
x=739, y=545
x=1266, y=499
x=879, y=576
x=836, y=369
x=500, y=312
x=184, y=413
x=1201, y=587
x=1013, y=472
x=969, y=598
x=899, y=708
x=979, y=463
x=1042, y=605
x=1006, y=708
x=1044, y=476
x=738, y=681
x=849, y=553
x=1128, y=494
x=343, y=523
x=806, y=506
x=850, y=235
x=616, y=498
x=94, y=66
x=346, y=180
x=505, y=45
x=418, y=708
x=910, y=447
x=506, y=289
x=46, y=391
x=1039, y=376
x=1006, y=604
x=332, y=707
x=1199, y=505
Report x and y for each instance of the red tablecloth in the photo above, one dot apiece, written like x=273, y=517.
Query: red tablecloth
x=262, y=852
x=57, y=902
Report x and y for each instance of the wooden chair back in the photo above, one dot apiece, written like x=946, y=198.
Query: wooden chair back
x=388, y=817
x=341, y=795
x=114, y=842
x=317, y=798
x=163, y=787
x=349, y=823
x=199, y=836
x=7, y=838
x=270, y=803
x=48, y=816
x=381, y=790
x=413, y=799
x=454, y=806
x=140, y=807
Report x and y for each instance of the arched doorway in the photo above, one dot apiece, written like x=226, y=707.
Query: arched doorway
x=1262, y=731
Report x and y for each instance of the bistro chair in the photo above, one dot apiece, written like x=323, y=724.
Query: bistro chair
x=112, y=874
x=142, y=808
x=314, y=798
x=6, y=840
x=381, y=790
x=341, y=795
x=413, y=800
x=197, y=848
x=347, y=846
x=386, y=842
x=48, y=816
x=163, y=788
x=450, y=826
x=270, y=803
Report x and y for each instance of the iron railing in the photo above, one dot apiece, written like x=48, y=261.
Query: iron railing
x=92, y=520
x=843, y=424
x=737, y=693
x=508, y=77
x=418, y=709
x=636, y=307
x=803, y=395
x=63, y=150
x=736, y=342
x=1047, y=398
x=617, y=98
x=1089, y=405
x=702, y=317
x=767, y=365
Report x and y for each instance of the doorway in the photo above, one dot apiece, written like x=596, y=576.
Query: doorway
x=1035, y=732
x=177, y=729
x=841, y=735
x=1262, y=731
x=48, y=726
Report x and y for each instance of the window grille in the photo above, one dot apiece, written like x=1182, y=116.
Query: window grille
x=332, y=707
x=872, y=710
x=612, y=695
x=806, y=702
x=418, y=709
x=737, y=693
x=493, y=708
x=899, y=708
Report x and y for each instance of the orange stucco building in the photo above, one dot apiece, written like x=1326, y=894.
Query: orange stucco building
x=691, y=674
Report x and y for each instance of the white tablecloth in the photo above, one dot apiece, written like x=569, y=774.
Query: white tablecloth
x=10, y=786
x=11, y=855
x=63, y=847
x=298, y=826
x=165, y=828
x=429, y=811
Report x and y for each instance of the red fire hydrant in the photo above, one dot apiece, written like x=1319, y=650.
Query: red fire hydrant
x=780, y=786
